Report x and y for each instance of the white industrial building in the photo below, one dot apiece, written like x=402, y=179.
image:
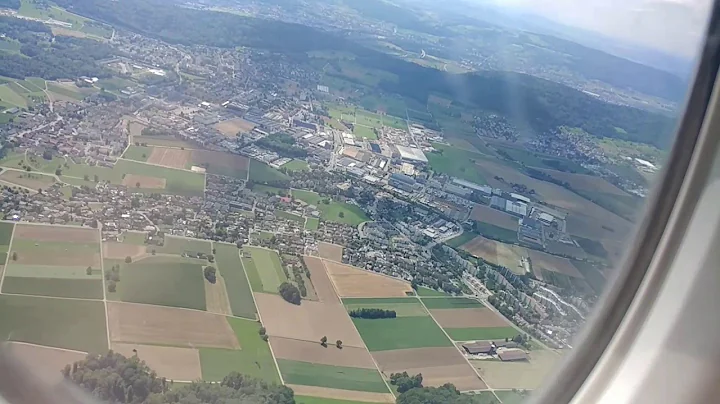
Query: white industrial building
x=412, y=154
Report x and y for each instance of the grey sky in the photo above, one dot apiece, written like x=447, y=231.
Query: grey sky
x=675, y=26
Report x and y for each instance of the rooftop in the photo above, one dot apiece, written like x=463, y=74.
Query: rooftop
x=412, y=153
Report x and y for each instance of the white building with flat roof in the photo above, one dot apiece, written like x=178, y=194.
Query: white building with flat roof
x=412, y=154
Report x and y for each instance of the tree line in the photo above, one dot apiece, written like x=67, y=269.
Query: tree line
x=372, y=313
x=282, y=144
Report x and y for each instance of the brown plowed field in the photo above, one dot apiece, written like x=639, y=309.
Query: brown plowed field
x=320, y=280
x=487, y=214
x=56, y=233
x=337, y=394
x=309, y=321
x=175, y=158
x=484, y=248
x=553, y=263
x=119, y=251
x=312, y=351
x=181, y=364
x=350, y=281
x=437, y=365
x=145, y=324
x=518, y=375
x=131, y=181
x=466, y=318
x=44, y=362
x=216, y=297
x=330, y=251
x=231, y=127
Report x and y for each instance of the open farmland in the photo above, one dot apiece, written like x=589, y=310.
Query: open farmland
x=170, y=157
x=138, y=153
x=263, y=173
x=481, y=333
x=264, y=269
x=154, y=325
x=228, y=261
x=321, y=281
x=164, y=141
x=427, y=292
x=221, y=163
x=552, y=263
x=216, y=296
x=466, y=318
x=309, y=321
x=437, y=365
x=44, y=361
x=231, y=127
x=324, y=395
x=451, y=303
x=162, y=280
x=456, y=163
x=118, y=251
x=518, y=375
x=484, y=213
x=350, y=281
x=497, y=253
x=584, y=182
x=403, y=306
x=41, y=233
x=253, y=358
x=330, y=251
x=312, y=351
x=400, y=333
x=28, y=180
x=173, y=363
x=180, y=245
x=45, y=321
x=336, y=377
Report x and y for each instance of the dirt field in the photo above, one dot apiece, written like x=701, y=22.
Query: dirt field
x=312, y=351
x=493, y=216
x=64, y=258
x=42, y=233
x=509, y=255
x=136, y=128
x=553, y=263
x=28, y=180
x=44, y=362
x=330, y=251
x=466, y=318
x=437, y=365
x=482, y=247
x=518, y=375
x=119, y=251
x=220, y=162
x=175, y=158
x=584, y=182
x=310, y=321
x=350, y=281
x=231, y=127
x=216, y=297
x=145, y=324
x=181, y=364
x=336, y=394
x=131, y=181
x=320, y=280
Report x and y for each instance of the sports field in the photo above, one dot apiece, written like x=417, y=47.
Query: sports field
x=163, y=281
x=337, y=377
x=253, y=359
x=289, y=216
x=403, y=306
x=297, y=165
x=264, y=269
x=54, y=322
x=364, y=132
x=228, y=261
x=400, y=333
x=179, y=245
x=312, y=223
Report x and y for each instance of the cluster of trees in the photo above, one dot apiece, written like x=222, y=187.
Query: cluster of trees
x=210, y=274
x=445, y=394
x=263, y=334
x=324, y=342
x=297, y=276
x=282, y=144
x=405, y=382
x=151, y=132
x=372, y=313
x=290, y=293
x=112, y=277
x=116, y=379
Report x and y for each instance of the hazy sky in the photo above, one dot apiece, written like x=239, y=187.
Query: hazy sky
x=675, y=26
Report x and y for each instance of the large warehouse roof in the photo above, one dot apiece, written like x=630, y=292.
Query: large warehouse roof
x=412, y=153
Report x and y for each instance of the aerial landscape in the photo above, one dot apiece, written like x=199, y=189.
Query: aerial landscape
x=316, y=201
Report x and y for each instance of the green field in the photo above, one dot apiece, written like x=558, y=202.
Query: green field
x=9, y=96
x=52, y=271
x=403, y=307
x=72, y=92
x=297, y=165
x=264, y=269
x=364, y=132
x=164, y=281
x=330, y=211
x=138, y=153
x=461, y=239
x=312, y=223
x=513, y=397
x=253, y=359
x=592, y=274
x=456, y=163
x=289, y=216
x=452, y=303
x=55, y=287
x=481, y=333
x=533, y=159
x=179, y=245
x=336, y=377
x=400, y=333
x=131, y=237
x=267, y=189
x=26, y=247
x=228, y=261
x=263, y=173
x=423, y=291
x=320, y=400
x=54, y=322
x=393, y=122
x=495, y=232
x=483, y=397
x=6, y=230
x=369, y=119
